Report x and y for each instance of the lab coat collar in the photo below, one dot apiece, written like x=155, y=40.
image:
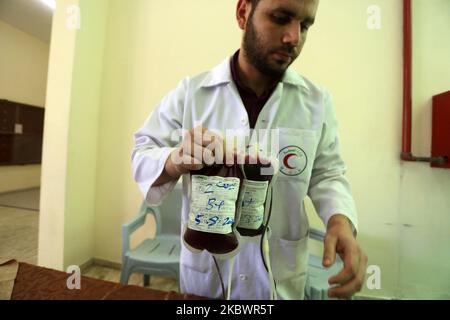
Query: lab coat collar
x=221, y=74
x=292, y=77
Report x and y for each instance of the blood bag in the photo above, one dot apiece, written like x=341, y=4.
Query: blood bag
x=213, y=205
x=253, y=196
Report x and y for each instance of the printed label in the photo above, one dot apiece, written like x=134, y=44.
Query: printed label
x=213, y=203
x=252, y=204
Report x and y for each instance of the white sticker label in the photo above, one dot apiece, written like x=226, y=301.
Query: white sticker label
x=252, y=205
x=213, y=204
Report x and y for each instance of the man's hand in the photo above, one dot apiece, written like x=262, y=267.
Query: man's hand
x=340, y=239
x=199, y=147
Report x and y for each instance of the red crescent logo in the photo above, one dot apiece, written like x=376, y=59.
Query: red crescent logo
x=286, y=159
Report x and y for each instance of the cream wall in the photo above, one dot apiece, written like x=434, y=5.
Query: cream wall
x=151, y=45
x=362, y=69
x=23, y=78
x=52, y=209
x=425, y=200
x=70, y=151
x=82, y=163
x=70, y=143
x=403, y=207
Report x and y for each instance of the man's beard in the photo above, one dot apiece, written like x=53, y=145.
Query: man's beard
x=258, y=57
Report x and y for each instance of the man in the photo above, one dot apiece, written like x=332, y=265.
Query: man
x=256, y=89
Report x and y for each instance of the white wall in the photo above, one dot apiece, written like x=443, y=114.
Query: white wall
x=23, y=78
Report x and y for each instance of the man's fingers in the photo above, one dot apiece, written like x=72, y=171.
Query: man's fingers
x=347, y=290
x=190, y=163
x=203, y=136
x=198, y=139
x=196, y=135
x=329, y=254
x=344, y=292
x=211, y=137
x=216, y=148
x=208, y=157
x=199, y=155
x=350, y=270
x=192, y=149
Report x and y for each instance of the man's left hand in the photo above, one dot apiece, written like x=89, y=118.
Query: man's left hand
x=340, y=239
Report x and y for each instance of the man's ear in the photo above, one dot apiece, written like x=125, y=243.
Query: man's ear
x=242, y=12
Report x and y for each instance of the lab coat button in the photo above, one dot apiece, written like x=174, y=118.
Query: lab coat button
x=243, y=277
x=244, y=121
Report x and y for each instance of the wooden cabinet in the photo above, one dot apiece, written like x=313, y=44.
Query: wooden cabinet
x=21, y=133
x=8, y=115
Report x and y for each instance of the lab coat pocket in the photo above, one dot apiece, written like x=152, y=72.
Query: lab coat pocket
x=289, y=261
x=200, y=283
x=196, y=276
x=297, y=148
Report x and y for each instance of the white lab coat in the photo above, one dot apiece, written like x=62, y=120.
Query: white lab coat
x=304, y=115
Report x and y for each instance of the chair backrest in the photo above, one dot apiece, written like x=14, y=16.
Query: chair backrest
x=168, y=214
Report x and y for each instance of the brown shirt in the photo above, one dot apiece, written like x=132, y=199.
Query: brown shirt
x=253, y=104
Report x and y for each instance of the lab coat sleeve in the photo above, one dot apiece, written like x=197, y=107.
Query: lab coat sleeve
x=329, y=189
x=154, y=143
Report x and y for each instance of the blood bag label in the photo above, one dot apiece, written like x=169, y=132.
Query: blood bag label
x=252, y=204
x=213, y=203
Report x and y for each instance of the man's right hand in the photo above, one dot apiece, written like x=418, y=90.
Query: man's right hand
x=199, y=147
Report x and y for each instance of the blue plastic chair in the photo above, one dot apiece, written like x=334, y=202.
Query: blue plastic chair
x=159, y=256
x=317, y=277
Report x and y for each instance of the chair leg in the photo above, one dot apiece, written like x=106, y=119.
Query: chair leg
x=125, y=274
x=146, y=280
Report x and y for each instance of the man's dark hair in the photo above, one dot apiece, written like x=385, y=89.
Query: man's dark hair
x=254, y=3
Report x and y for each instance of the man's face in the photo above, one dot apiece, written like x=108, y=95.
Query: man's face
x=275, y=32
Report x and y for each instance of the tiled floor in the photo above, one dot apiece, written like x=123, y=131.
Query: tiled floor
x=113, y=275
x=19, y=234
x=19, y=222
x=25, y=199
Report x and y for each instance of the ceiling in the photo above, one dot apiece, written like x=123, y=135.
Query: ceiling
x=30, y=16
